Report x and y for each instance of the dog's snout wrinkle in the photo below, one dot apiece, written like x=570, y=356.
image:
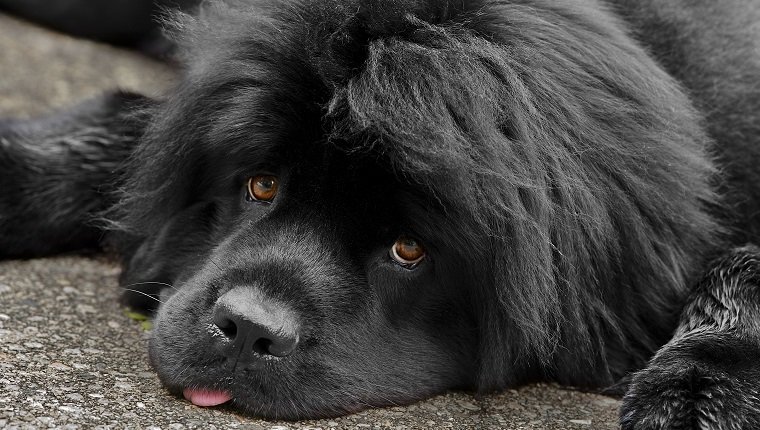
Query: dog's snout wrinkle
x=254, y=326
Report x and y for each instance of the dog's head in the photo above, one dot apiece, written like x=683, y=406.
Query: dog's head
x=362, y=203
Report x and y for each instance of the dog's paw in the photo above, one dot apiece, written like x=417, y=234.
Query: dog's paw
x=708, y=381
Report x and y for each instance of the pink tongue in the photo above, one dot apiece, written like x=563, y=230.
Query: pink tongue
x=206, y=398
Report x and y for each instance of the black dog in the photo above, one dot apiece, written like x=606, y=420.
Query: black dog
x=363, y=202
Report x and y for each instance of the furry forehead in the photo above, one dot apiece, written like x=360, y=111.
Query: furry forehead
x=437, y=87
x=365, y=77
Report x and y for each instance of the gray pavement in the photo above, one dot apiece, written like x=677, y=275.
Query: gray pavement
x=70, y=357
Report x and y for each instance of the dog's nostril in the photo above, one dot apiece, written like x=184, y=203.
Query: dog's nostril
x=261, y=346
x=228, y=327
x=280, y=345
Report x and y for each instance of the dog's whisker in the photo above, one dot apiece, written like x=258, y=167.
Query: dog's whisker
x=144, y=294
x=152, y=282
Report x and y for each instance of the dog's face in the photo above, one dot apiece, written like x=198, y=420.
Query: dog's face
x=308, y=281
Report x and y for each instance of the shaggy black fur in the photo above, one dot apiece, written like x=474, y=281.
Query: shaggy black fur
x=558, y=160
x=706, y=377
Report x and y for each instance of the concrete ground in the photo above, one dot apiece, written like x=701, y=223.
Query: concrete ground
x=70, y=357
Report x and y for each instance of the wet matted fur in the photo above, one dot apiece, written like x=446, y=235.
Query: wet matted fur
x=569, y=167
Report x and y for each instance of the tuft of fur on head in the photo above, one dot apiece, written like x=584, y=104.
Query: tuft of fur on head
x=574, y=164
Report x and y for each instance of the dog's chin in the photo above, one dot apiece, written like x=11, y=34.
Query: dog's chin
x=249, y=390
x=337, y=368
x=310, y=386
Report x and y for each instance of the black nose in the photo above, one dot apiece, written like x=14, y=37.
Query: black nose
x=253, y=326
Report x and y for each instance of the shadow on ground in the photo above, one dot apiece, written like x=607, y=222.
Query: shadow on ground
x=69, y=355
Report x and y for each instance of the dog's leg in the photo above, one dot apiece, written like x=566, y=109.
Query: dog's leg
x=708, y=376
x=59, y=172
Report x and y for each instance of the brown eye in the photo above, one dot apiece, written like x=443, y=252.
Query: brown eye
x=407, y=251
x=262, y=188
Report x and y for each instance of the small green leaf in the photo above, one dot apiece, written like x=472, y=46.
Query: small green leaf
x=136, y=315
x=144, y=320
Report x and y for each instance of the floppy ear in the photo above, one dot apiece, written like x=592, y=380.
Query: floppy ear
x=609, y=185
x=58, y=172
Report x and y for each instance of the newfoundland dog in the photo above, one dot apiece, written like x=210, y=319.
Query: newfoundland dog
x=355, y=203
